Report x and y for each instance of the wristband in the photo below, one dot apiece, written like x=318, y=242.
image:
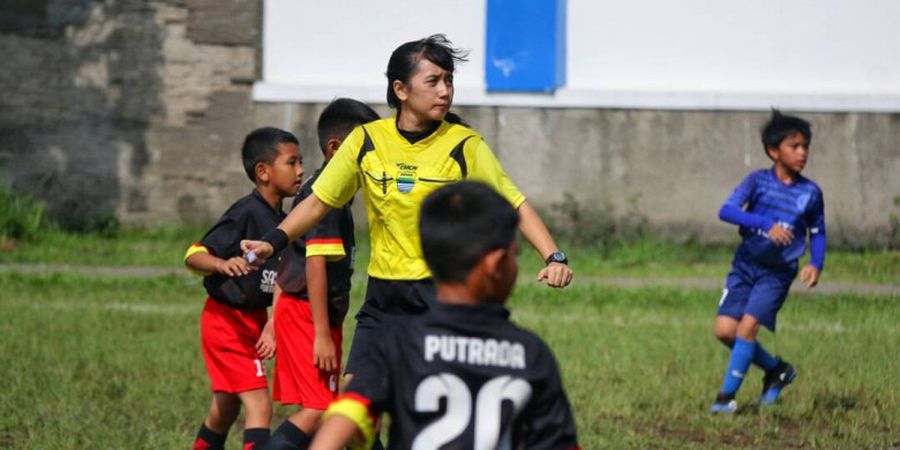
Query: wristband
x=277, y=238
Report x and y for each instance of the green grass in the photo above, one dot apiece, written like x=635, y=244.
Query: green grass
x=647, y=257
x=164, y=246
x=655, y=258
x=115, y=363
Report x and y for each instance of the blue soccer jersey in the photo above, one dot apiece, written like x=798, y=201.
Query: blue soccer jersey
x=761, y=201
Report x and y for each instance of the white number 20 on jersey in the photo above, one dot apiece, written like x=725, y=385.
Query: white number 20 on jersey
x=459, y=410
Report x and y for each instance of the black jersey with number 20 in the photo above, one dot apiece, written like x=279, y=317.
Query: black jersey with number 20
x=463, y=377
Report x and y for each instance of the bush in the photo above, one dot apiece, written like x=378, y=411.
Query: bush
x=21, y=216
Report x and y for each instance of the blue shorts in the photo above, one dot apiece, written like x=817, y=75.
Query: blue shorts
x=755, y=289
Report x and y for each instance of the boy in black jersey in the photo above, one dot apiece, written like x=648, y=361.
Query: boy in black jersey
x=235, y=334
x=312, y=295
x=460, y=376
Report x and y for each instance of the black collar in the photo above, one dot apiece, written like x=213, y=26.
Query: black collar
x=415, y=136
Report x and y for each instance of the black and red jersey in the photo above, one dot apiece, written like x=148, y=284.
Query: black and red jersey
x=248, y=218
x=462, y=377
x=332, y=238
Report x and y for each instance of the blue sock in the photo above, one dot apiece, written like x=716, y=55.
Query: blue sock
x=741, y=357
x=764, y=359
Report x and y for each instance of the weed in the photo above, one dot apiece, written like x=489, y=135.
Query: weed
x=21, y=216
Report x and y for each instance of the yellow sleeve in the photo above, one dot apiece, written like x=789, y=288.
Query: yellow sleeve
x=193, y=250
x=354, y=408
x=340, y=179
x=484, y=167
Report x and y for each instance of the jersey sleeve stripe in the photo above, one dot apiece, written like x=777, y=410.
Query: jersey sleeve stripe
x=193, y=250
x=333, y=252
x=315, y=241
x=356, y=408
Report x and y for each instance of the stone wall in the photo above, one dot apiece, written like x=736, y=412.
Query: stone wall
x=136, y=109
x=129, y=109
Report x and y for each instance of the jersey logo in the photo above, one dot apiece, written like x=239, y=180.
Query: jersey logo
x=406, y=180
x=267, y=281
x=802, y=200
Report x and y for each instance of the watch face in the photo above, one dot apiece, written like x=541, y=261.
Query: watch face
x=559, y=257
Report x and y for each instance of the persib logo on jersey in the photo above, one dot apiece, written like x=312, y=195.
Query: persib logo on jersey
x=406, y=181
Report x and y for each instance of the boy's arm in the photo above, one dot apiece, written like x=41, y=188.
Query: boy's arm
x=265, y=345
x=737, y=216
x=336, y=433
x=732, y=211
x=817, y=242
x=198, y=259
x=817, y=233
x=324, y=351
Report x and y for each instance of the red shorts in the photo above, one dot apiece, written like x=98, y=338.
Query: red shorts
x=228, y=337
x=297, y=380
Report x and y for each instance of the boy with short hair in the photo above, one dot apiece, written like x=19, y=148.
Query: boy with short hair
x=461, y=375
x=312, y=297
x=781, y=206
x=235, y=334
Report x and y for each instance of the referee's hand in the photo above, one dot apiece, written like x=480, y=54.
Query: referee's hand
x=262, y=249
x=556, y=275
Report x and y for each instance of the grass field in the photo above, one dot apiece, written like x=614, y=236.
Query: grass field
x=642, y=258
x=104, y=362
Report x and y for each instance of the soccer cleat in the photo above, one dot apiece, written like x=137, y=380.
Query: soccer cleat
x=724, y=404
x=775, y=380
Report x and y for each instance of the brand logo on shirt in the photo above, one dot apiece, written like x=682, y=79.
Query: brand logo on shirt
x=267, y=281
x=802, y=201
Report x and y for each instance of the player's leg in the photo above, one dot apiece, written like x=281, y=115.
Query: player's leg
x=729, y=315
x=216, y=323
x=384, y=297
x=258, y=414
x=738, y=363
x=767, y=298
x=366, y=332
x=726, y=330
x=313, y=388
x=223, y=412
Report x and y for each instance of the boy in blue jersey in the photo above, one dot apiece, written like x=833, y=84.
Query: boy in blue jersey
x=774, y=208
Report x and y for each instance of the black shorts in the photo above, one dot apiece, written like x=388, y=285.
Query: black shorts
x=386, y=298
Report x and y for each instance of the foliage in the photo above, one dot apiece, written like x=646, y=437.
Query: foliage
x=21, y=216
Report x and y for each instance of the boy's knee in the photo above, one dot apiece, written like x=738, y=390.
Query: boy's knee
x=223, y=413
x=727, y=339
x=257, y=403
x=725, y=331
x=748, y=328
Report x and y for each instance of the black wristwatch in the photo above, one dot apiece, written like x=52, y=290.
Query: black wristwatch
x=557, y=257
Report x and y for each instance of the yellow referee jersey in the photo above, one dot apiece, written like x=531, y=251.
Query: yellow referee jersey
x=396, y=176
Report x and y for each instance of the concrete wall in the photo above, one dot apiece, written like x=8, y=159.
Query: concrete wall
x=136, y=109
